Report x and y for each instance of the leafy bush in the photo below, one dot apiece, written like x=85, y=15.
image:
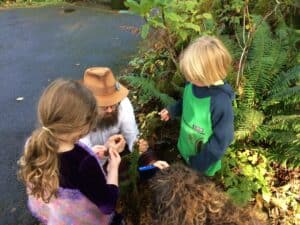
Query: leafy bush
x=245, y=173
x=264, y=45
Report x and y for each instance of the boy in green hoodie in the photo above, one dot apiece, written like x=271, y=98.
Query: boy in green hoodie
x=206, y=108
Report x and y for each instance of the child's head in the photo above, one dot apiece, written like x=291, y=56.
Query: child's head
x=66, y=111
x=181, y=196
x=205, y=60
x=67, y=107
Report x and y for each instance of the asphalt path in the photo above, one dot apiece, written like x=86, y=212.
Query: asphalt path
x=38, y=45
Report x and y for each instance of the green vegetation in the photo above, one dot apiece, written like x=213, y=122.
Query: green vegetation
x=262, y=165
x=31, y=3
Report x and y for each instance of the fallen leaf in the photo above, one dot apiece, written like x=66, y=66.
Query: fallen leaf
x=19, y=99
x=13, y=210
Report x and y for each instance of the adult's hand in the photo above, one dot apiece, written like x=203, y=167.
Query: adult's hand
x=101, y=151
x=116, y=142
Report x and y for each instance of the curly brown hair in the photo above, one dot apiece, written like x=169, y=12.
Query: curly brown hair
x=64, y=107
x=179, y=195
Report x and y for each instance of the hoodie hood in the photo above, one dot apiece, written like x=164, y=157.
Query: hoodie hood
x=202, y=92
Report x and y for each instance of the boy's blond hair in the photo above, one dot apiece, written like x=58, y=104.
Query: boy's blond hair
x=205, y=60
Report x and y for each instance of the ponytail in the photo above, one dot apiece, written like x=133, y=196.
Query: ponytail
x=39, y=164
x=64, y=108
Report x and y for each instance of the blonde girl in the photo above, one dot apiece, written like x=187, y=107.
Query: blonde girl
x=64, y=180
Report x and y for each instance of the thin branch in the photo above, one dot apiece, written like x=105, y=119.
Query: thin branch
x=238, y=39
x=250, y=37
x=244, y=23
x=169, y=40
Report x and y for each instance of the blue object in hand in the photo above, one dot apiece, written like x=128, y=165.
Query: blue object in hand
x=149, y=167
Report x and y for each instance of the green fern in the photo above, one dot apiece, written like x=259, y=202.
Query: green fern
x=147, y=90
x=233, y=48
x=286, y=88
x=267, y=56
x=288, y=95
x=247, y=120
x=268, y=109
x=282, y=134
x=285, y=122
x=282, y=129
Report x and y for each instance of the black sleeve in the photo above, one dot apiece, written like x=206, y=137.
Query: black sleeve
x=93, y=185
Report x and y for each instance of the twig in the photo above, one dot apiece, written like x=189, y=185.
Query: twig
x=244, y=22
x=169, y=40
x=250, y=37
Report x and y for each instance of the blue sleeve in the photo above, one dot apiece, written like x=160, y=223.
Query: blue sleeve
x=175, y=110
x=93, y=185
x=222, y=136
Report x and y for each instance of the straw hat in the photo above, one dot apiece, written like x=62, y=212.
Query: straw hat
x=106, y=89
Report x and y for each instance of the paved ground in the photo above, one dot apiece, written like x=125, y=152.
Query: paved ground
x=37, y=46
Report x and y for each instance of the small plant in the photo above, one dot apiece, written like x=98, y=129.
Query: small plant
x=244, y=173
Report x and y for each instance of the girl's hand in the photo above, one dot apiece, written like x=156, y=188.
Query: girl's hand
x=113, y=160
x=164, y=115
x=101, y=151
x=143, y=145
x=161, y=164
x=116, y=142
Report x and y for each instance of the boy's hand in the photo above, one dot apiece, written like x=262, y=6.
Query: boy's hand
x=101, y=151
x=161, y=164
x=116, y=142
x=164, y=115
x=143, y=145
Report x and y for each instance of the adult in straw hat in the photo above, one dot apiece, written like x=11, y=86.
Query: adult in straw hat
x=116, y=120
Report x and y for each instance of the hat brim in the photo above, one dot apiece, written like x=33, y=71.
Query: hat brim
x=114, y=98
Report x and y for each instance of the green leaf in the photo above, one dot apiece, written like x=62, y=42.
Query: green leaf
x=239, y=197
x=190, y=5
x=133, y=6
x=207, y=16
x=146, y=6
x=183, y=35
x=145, y=30
x=163, y=3
x=173, y=17
x=192, y=26
x=156, y=23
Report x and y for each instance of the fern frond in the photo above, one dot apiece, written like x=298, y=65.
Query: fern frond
x=283, y=139
x=267, y=56
x=287, y=156
x=286, y=79
x=290, y=95
x=231, y=45
x=247, y=120
x=249, y=93
x=285, y=123
x=147, y=89
x=286, y=88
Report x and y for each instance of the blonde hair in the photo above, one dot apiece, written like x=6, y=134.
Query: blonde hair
x=64, y=107
x=206, y=60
